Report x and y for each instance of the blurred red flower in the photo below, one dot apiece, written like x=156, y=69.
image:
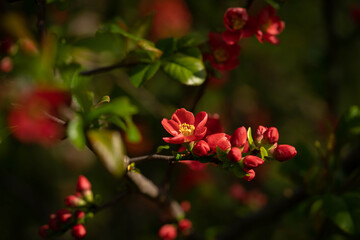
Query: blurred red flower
x=269, y=25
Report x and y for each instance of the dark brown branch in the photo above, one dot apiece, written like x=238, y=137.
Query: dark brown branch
x=110, y=203
x=41, y=18
x=151, y=157
x=103, y=69
x=248, y=4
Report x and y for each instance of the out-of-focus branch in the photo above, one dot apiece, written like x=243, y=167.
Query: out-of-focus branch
x=41, y=18
x=103, y=69
x=248, y=4
x=154, y=193
x=267, y=215
x=151, y=157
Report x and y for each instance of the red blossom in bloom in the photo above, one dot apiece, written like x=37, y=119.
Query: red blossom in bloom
x=44, y=231
x=234, y=154
x=213, y=124
x=271, y=135
x=239, y=137
x=83, y=184
x=78, y=231
x=250, y=174
x=284, y=152
x=220, y=140
x=234, y=20
x=184, y=127
x=29, y=120
x=251, y=161
x=167, y=232
x=224, y=57
x=184, y=226
x=270, y=25
x=201, y=148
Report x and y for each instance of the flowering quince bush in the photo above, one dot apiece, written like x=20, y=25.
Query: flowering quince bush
x=75, y=89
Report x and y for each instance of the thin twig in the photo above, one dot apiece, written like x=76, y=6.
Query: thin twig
x=103, y=69
x=151, y=157
x=41, y=18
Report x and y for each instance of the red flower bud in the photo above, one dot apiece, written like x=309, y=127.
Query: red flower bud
x=238, y=138
x=83, y=184
x=284, y=152
x=63, y=215
x=167, y=232
x=184, y=226
x=186, y=206
x=249, y=175
x=259, y=134
x=79, y=214
x=220, y=140
x=251, y=161
x=6, y=64
x=246, y=147
x=201, y=148
x=74, y=201
x=271, y=135
x=78, y=231
x=234, y=155
x=44, y=231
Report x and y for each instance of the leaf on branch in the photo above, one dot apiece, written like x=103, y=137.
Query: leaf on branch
x=221, y=155
x=161, y=148
x=143, y=72
x=191, y=40
x=109, y=147
x=104, y=99
x=250, y=139
x=187, y=70
x=75, y=131
x=132, y=132
x=263, y=153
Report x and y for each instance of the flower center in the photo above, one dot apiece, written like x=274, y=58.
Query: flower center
x=186, y=129
x=220, y=55
x=237, y=23
x=264, y=27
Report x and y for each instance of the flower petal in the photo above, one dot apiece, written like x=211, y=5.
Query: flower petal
x=271, y=39
x=170, y=126
x=231, y=37
x=175, y=140
x=183, y=116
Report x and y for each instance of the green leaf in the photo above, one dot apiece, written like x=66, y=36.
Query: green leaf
x=84, y=99
x=185, y=69
x=238, y=171
x=263, y=153
x=191, y=40
x=273, y=3
x=104, y=99
x=192, y=52
x=221, y=155
x=109, y=147
x=141, y=56
x=118, y=122
x=120, y=107
x=75, y=132
x=335, y=207
x=143, y=72
x=160, y=148
x=250, y=139
x=167, y=46
x=132, y=132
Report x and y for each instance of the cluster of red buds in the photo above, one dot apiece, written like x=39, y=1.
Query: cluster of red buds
x=238, y=152
x=224, y=48
x=75, y=216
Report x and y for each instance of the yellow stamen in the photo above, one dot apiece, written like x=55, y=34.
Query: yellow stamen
x=237, y=23
x=186, y=129
x=220, y=55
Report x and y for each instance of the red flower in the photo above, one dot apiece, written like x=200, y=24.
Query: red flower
x=30, y=120
x=83, y=184
x=270, y=25
x=239, y=137
x=186, y=206
x=284, y=152
x=195, y=165
x=167, y=232
x=271, y=135
x=251, y=161
x=224, y=57
x=234, y=20
x=234, y=155
x=78, y=231
x=185, y=127
x=6, y=64
x=220, y=140
x=44, y=231
x=201, y=148
x=63, y=215
x=250, y=174
x=184, y=226
x=259, y=134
